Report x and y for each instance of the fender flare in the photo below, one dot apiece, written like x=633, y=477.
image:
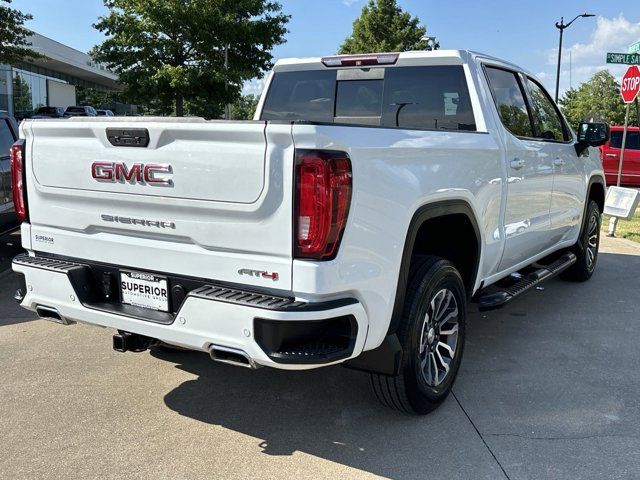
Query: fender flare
x=423, y=214
x=387, y=358
x=595, y=179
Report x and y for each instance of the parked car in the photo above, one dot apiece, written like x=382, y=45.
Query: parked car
x=350, y=223
x=104, y=113
x=49, y=112
x=80, y=111
x=8, y=135
x=611, y=157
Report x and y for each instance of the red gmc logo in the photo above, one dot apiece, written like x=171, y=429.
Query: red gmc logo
x=152, y=173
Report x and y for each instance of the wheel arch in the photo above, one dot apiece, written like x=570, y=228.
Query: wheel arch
x=386, y=359
x=597, y=191
x=437, y=214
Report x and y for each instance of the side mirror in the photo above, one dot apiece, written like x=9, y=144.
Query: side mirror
x=591, y=135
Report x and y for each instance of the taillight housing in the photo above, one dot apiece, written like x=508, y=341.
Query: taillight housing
x=18, y=186
x=322, y=199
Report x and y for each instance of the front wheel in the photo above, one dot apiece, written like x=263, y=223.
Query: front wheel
x=432, y=333
x=586, y=249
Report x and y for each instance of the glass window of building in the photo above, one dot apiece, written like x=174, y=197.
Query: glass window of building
x=29, y=92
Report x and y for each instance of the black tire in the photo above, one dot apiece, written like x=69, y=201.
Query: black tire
x=586, y=249
x=418, y=387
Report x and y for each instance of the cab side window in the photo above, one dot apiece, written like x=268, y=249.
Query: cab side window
x=547, y=122
x=632, y=143
x=509, y=98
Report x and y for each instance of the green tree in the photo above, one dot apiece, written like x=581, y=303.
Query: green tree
x=384, y=27
x=97, y=98
x=598, y=98
x=172, y=52
x=14, y=46
x=244, y=107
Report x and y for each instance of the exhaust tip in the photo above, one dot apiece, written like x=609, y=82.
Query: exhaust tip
x=231, y=356
x=51, y=314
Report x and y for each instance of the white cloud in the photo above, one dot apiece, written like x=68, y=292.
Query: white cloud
x=610, y=35
x=348, y=3
x=253, y=86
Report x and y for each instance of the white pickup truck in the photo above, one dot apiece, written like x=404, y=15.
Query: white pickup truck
x=352, y=221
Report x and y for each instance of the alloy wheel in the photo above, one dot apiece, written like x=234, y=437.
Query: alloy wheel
x=439, y=337
x=592, y=242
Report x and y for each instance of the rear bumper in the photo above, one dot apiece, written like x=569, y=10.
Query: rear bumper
x=272, y=330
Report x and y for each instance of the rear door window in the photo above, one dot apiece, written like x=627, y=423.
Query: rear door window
x=509, y=99
x=427, y=97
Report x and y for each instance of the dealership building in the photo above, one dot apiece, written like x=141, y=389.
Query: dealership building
x=51, y=80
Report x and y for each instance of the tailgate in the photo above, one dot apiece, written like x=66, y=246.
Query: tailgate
x=203, y=199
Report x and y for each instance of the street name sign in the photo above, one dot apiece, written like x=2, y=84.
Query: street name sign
x=634, y=47
x=621, y=202
x=630, y=85
x=624, y=58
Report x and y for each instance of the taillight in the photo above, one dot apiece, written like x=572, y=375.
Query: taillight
x=323, y=196
x=18, y=187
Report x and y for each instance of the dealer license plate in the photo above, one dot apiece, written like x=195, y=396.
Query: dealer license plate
x=144, y=290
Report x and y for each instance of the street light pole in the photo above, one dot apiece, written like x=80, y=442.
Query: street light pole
x=561, y=26
x=227, y=107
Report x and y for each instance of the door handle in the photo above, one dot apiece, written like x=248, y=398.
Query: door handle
x=558, y=162
x=612, y=155
x=517, y=164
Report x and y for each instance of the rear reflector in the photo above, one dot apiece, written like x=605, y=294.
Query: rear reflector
x=323, y=196
x=361, y=60
x=18, y=180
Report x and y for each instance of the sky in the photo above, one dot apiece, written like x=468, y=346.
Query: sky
x=520, y=31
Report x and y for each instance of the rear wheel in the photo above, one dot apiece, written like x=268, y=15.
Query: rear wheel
x=432, y=334
x=586, y=249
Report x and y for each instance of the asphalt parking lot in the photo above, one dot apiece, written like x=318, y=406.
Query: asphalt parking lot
x=549, y=389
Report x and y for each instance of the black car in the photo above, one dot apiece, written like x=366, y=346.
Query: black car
x=8, y=135
x=80, y=111
x=105, y=113
x=49, y=112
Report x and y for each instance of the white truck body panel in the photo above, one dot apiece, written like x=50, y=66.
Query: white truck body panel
x=232, y=206
x=220, y=188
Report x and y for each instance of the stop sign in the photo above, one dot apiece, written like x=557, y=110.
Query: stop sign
x=630, y=84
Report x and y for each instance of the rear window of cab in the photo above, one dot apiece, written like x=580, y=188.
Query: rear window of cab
x=425, y=98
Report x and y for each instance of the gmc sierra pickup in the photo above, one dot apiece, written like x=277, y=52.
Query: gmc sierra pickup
x=352, y=221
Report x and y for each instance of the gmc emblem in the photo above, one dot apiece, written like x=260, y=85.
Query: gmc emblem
x=151, y=173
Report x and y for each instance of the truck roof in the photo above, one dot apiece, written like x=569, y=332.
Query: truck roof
x=415, y=57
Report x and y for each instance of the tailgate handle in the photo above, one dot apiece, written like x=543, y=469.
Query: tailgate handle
x=128, y=137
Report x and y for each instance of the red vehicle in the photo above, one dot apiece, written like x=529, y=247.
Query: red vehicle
x=611, y=157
